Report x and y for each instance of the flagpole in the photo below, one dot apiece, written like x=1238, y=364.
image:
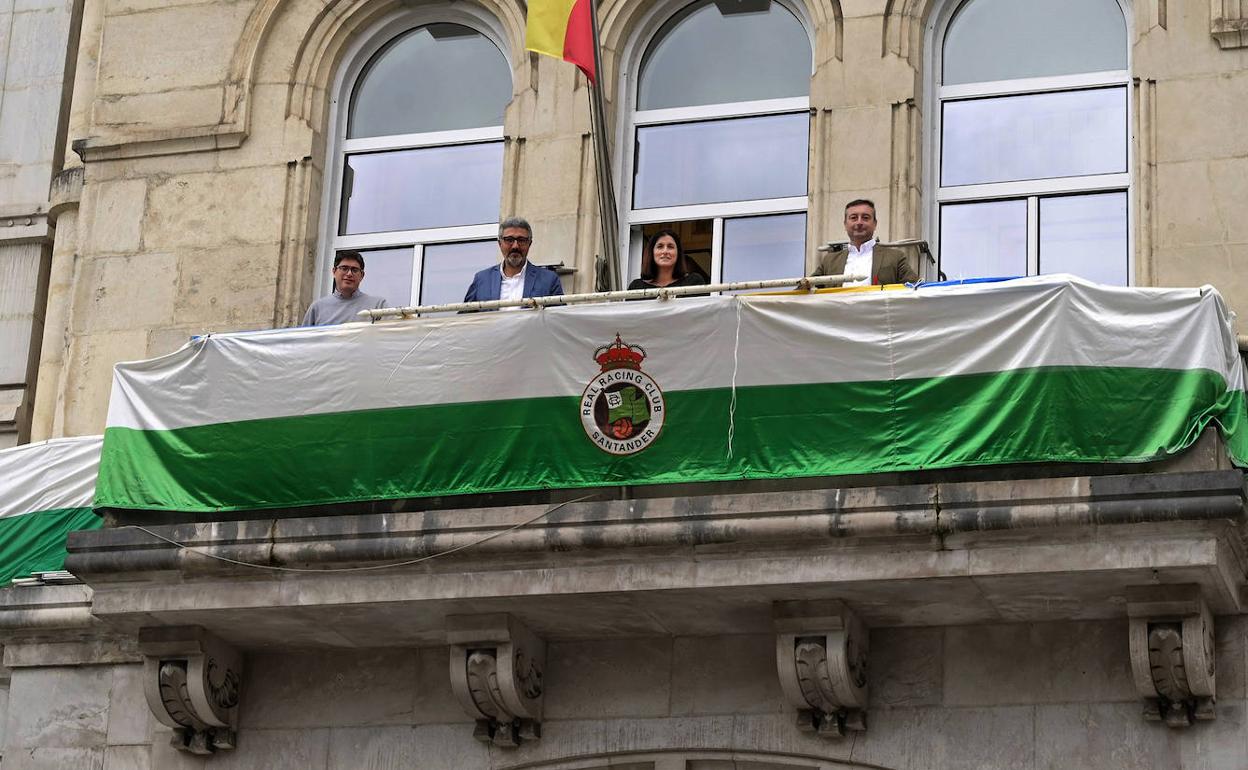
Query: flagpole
x=608, y=218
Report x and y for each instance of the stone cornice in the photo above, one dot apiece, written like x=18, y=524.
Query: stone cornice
x=24, y=224
x=173, y=142
x=46, y=608
x=908, y=512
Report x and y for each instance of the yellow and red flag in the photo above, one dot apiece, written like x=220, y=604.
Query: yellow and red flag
x=563, y=29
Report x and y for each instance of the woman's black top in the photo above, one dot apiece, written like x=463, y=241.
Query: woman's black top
x=688, y=279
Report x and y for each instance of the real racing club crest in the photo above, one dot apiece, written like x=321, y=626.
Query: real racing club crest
x=622, y=408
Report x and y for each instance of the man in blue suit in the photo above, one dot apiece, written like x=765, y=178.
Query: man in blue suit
x=515, y=278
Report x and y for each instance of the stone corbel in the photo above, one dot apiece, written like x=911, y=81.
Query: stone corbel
x=821, y=656
x=497, y=666
x=1172, y=653
x=192, y=680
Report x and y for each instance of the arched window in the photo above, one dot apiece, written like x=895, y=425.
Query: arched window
x=720, y=138
x=418, y=159
x=1033, y=127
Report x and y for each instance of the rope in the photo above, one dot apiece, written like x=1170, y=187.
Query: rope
x=732, y=404
x=370, y=567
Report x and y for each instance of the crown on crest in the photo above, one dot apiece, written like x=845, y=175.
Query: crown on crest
x=619, y=355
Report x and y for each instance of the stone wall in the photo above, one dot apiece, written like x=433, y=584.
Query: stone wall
x=35, y=36
x=204, y=157
x=1191, y=149
x=1034, y=696
x=202, y=194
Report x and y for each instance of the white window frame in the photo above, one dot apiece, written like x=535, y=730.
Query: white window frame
x=1029, y=190
x=338, y=147
x=629, y=84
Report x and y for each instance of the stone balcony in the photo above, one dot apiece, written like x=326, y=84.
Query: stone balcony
x=1095, y=564
x=935, y=553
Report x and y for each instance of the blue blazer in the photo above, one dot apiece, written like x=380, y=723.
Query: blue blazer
x=487, y=285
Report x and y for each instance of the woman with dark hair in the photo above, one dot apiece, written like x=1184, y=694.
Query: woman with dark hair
x=664, y=264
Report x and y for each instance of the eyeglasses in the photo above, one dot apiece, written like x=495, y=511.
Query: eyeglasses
x=511, y=240
x=350, y=269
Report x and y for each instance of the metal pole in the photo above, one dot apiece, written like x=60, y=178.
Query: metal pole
x=608, y=218
x=802, y=284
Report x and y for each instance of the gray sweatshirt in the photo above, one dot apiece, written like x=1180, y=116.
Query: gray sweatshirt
x=336, y=309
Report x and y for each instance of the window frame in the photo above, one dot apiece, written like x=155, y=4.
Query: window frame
x=1030, y=191
x=629, y=85
x=337, y=146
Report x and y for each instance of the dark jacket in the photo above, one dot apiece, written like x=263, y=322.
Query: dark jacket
x=487, y=284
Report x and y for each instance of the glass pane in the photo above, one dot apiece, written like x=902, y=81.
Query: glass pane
x=757, y=50
x=426, y=187
x=1085, y=235
x=388, y=274
x=721, y=160
x=1036, y=136
x=983, y=240
x=449, y=268
x=759, y=248
x=1008, y=39
x=435, y=78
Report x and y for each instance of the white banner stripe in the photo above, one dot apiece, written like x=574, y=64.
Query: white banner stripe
x=50, y=475
x=690, y=344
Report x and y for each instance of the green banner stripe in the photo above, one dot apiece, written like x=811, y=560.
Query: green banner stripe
x=1037, y=415
x=35, y=542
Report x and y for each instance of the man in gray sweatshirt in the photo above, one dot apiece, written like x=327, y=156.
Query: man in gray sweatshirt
x=347, y=299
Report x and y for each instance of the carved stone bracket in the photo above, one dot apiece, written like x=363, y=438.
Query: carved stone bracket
x=1172, y=653
x=497, y=666
x=821, y=656
x=192, y=681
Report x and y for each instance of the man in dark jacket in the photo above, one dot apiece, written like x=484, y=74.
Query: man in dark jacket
x=515, y=277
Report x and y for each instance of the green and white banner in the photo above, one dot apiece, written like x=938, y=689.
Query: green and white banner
x=747, y=387
x=45, y=493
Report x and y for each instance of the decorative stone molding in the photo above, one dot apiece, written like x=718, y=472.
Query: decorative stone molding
x=19, y=226
x=65, y=192
x=1172, y=653
x=150, y=144
x=821, y=657
x=497, y=665
x=1228, y=23
x=192, y=681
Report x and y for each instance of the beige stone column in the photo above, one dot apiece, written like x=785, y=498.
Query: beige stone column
x=46, y=418
x=65, y=195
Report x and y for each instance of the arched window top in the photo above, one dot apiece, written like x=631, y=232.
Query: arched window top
x=1012, y=39
x=439, y=77
x=723, y=51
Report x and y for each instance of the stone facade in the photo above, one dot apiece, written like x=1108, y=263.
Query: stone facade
x=1030, y=695
x=234, y=97
x=34, y=62
x=973, y=624
x=169, y=180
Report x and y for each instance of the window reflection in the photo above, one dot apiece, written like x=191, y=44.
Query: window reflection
x=449, y=267
x=981, y=240
x=1085, y=235
x=1010, y=39
x=388, y=274
x=436, y=78
x=427, y=187
x=761, y=248
x=721, y=160
x=712, y=54
x=1036, y=136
